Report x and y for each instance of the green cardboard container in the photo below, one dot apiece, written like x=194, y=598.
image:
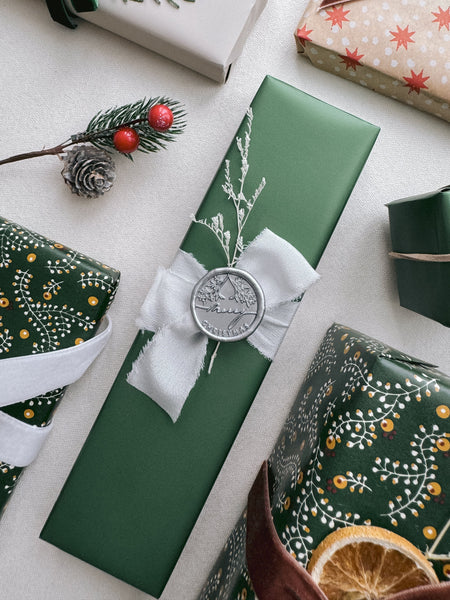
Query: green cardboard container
x=421, y=225
x=367, y=442
x=141, y=480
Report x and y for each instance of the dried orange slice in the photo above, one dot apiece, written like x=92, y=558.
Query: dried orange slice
x=368, y=563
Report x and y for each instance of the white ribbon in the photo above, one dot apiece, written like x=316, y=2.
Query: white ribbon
x=170, y=363
x=24, y=377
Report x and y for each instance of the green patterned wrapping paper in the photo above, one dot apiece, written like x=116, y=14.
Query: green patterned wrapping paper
x=367, y=442
x=421, y=225
x=51, y=298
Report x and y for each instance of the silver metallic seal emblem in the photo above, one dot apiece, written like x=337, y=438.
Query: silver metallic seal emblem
x=227, y=304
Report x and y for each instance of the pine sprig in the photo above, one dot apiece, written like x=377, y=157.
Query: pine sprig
x=100, y=130
x=104, y=123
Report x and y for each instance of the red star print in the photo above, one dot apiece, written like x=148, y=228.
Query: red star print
x=442, y=17
x=352, y=59
x=402, y=37
x=337, y=15
x=416, y=82
x=303, y=35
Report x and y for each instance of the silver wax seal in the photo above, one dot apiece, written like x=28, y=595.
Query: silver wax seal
x=227, y=304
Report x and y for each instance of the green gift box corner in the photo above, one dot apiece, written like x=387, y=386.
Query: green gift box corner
x=367, y=442
x=420, y=225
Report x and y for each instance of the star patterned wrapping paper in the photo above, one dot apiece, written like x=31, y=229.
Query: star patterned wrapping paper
x=51, y=297
x=399, y=48
x=367, y=442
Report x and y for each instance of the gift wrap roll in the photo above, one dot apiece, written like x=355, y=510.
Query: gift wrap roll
x=51, y=298
x=420, y=234
x=367, y=442
x=205, y=36
x=141, y=479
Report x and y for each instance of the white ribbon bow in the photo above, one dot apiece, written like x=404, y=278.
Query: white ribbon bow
x=170, y=363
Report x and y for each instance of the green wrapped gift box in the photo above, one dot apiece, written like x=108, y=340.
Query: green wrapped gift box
x=367, y=442
x=51, y=297
x=140, y=481
x=420, y=233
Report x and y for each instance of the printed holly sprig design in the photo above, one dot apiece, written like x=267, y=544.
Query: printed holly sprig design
x=302, y=424
x=324, y=359
x=13, y=239
x=365, y=424
x=147, y=125
x=12, y=474
x=52, y=287
x=50, y=320
x=5, y=341
x=98, y=280
x=313, y=502
x=418, y=477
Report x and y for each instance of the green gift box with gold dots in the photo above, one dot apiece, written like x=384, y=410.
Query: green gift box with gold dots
x=51, y=298
x=367, y=443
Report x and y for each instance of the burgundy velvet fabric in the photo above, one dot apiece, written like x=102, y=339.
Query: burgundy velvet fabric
x=276, y=575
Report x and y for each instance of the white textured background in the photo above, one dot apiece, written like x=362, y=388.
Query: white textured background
x=52, y=82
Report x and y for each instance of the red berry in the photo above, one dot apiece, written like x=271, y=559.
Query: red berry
x=160, y=117
x=126, y=140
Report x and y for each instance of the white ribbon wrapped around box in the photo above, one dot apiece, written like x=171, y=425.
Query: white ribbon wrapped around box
x=24, y=377
x=172, y=360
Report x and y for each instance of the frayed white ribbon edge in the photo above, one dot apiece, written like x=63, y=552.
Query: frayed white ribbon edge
x=170, y=363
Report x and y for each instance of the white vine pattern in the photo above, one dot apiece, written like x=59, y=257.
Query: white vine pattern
x=364, y=426
x=14, y=239
x=50, y=320
x=65, y=264
x=418, y=473
x=309, y=498
x=98, y=280
x=5, y=341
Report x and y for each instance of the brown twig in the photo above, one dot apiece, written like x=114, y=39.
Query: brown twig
x=75, y=139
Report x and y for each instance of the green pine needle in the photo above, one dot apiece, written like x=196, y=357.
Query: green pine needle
x=100, y=130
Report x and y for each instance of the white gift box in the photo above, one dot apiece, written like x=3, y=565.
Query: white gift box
x=206, y=35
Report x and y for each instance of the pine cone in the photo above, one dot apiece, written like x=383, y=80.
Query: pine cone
x=88, y=171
